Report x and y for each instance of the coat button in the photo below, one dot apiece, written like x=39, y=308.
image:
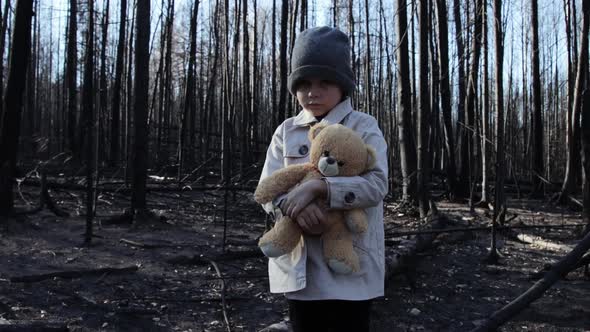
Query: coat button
x=349, y=197
x=303, y=150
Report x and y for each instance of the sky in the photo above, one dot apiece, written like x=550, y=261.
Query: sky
x=53, y=15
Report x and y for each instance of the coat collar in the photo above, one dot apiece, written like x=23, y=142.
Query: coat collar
x=336, y=115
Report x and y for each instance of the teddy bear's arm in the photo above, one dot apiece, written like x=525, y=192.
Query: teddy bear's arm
x=280, y=182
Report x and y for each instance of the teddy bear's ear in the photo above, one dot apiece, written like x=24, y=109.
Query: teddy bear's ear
x=315, y=130
x=371, y=157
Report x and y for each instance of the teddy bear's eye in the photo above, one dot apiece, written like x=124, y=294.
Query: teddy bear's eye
x=340, y=163
x=326, y=153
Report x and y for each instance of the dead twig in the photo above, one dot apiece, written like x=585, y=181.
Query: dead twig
x=28, y=326
x=75, y=274
x=227, y=256
x=223, y=305
x=474, y=229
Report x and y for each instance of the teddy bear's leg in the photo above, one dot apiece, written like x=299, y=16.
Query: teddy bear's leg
x=281, y=239
x=338, y=250
x=356, y=220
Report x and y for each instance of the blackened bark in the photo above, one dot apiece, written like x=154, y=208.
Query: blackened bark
x=538, y=166
x=88, y=120
x=282, y=107
x=445, y=94
x=10, y=117
x=406, y=135
x=423, y=113
x=140, y=105
x=116, y=105
x=71, y=76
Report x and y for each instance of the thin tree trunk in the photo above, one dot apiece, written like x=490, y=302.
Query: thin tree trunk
x=406, y=136
x=573, y=158
x=469, y=133
x=500, y=200
x=282, y=107
x=368, y=89
x=246, y=138
x=103, y=82
x=88, y=120
x=445, y=93
x=140, y=106
x=460, y=70
x=275, y=111
x=116, y=106
x=71, y=73
x=582, y=76
x=538, y=167
x=423, y=113
x=485, y=112
x=10, y=117
x=3, y=26
x=188, y=118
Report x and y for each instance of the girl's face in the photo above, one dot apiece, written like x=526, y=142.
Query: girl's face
x=318, y=96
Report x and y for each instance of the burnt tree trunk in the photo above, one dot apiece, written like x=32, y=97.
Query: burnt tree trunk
x=140, y=106
x=71, y=73
x=445, y=94
x=10, y=117
x=115, y=146
x=500, y=200
x=538, y=166
x=423, y=112
x=406, y=135
x=88, y=120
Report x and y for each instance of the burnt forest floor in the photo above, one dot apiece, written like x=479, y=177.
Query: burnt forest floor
x=177, y=287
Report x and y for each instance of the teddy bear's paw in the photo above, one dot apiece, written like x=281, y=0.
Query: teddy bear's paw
x=272, y=250
x=355, y=226
x=339, y=266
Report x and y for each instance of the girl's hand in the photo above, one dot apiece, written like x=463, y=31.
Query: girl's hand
x=298, y=198
x=312, y=219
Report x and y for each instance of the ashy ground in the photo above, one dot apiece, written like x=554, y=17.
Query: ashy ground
x=183, y=280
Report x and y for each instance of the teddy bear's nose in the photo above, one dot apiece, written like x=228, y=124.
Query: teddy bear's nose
x=330, y=160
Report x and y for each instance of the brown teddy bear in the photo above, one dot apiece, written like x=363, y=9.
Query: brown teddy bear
x=335, y=151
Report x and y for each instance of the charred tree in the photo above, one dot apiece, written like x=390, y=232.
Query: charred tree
x=282, y=107
x=71, y=76
x=88, y=121
x=573, y=134
x=500, y=200
x=10, y=117
x=140, y=108
x=445, y=95
x=538, y=166
x=406, y=135
x=469, y=132
x=423, y=113
x=115, y=145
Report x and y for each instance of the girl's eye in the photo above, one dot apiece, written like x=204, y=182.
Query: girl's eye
x=340, y=163
x=326, y=153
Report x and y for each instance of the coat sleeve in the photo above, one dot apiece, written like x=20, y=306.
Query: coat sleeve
x=273, y=162
x=368, y=189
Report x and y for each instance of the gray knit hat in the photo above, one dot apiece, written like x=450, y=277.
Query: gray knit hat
x=322, y=53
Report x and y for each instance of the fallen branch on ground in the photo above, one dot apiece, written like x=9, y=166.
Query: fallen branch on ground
x=223, y=305
x=29, y=326
x=227, y=256
x=75, y=274
x=474, y=229
x=558, y=271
